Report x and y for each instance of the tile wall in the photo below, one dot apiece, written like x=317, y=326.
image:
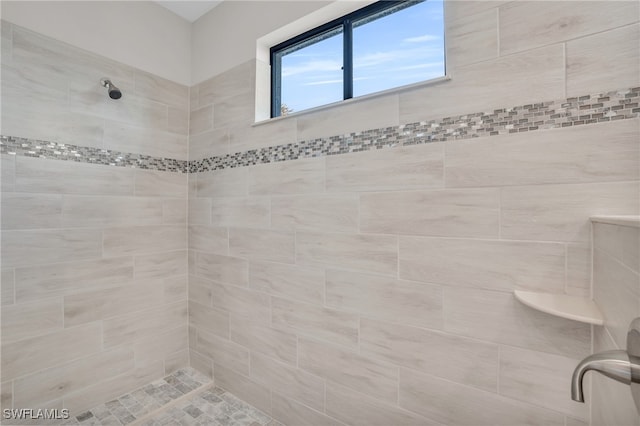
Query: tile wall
x=376, y=287
x=362, y=288
x=616, y=290
x=94, y=259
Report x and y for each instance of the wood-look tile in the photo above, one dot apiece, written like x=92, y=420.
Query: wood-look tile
x=161, y=183
x=223, y=269
x=27, y=320
x=291, y=412
x=277, y=246
x=289, y=281
x=385, y=298
x=97, y=212
x=31, y=211
x=212, y=320
x=250, y=212
x=288, y=177
x=337, y=212
x=262, y=338
x=223, y=352
x=137, y=240
x=208, y=239
x=244, y=388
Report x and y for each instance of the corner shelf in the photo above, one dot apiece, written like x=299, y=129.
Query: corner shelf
x=563, y=306
x=626, y=220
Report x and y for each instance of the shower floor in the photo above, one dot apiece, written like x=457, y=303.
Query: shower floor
x=185, y=397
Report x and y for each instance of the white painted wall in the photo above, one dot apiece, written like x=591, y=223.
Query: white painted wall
x=138, y=33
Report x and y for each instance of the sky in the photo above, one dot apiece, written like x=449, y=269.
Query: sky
x=398, y=49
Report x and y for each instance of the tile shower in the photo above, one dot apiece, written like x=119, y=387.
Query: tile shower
x=351, y=265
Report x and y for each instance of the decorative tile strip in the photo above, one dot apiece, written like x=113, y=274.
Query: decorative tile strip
x=84, y=154
x=575, y=111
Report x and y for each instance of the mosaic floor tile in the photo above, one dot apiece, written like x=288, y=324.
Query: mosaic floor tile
x=210, y=406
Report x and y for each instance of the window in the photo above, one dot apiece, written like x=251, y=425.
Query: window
x=385, y=45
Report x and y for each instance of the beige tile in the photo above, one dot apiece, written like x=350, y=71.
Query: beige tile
x=472, y=38
x=356, y=409
x=372, y=253
x=244, y=388
x=620, y=242
x=22, y=248
x=178, y=120
x=337, y=212
x=175, y=288
x=385, y=298
x=161, y=346
x=596, y=153
x=569, y=421
x=137, y=240
x=290, y=281
x=38, y=282
x=241, y=302
x=228, y=83
x=532, y=76
x=89, y=397
x=209, y=144
x=612, y=403
x=199, y=290
x=67, y=177
x=288, y=177
x=490, y=264
x=460, y=9
x=100, y=304
x=201, y=363
x=222, y=183
x=439, y=400
x=136, y=110
x=223, y=352
x=358, y=372
x=159, y=183
x=6, y=390
x=387, y=169
x=561, y=212
x=157, y=265
x=212, y=320
x=208, y=239
x=201, y=120
x=143, y=324
x=223, y=269
x=125, y=137
x=161, y=90
x=454, y=213
x=262, y=338
x=616, y=291
x=176, y=361
x=7, y=172
x=96, y=212
x=270, y=133
x=587, y=60
x=31, y=211
x=528, y=24
x=288, y=380
x=353, y=116
x=579, y=270
x=452, y=357
x=27, y=320
x=235, y=111
x=322, y=323
x=174, y=211
x=277, y=246
x=291, y=412
x=541, y=379
x=45, y=385
x=199, y=211
x=499, y=317
x=251, y=212
x=7, y=284
x=28, y=355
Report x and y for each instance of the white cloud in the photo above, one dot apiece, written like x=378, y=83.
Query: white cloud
x=421, y=39
x=311, y=66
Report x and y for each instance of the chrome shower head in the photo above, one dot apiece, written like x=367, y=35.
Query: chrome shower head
x=114, y=92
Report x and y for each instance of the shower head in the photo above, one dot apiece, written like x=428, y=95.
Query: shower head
x=114, y=92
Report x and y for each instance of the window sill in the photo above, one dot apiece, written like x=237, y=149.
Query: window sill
x=395, y=90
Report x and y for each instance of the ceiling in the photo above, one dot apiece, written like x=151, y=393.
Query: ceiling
x=188, y=9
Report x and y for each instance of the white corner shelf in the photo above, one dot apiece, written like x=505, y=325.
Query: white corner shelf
x=627, y=220
x=563, y=306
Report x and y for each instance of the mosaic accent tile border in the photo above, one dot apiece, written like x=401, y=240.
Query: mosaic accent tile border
x=84, y=154
x=575, y=111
